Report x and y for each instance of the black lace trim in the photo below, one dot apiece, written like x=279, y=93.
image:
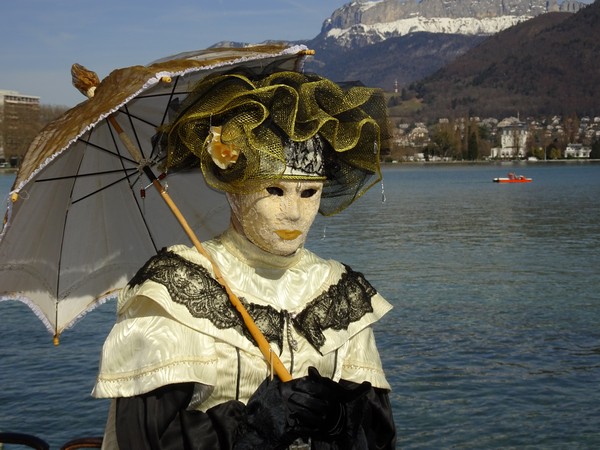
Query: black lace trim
x=343, y=303
x=191, y=285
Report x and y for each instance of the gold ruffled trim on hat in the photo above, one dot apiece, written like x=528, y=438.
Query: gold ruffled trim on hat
x=257, y=114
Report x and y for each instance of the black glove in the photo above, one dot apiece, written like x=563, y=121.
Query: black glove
x=269, y=424
x=332, y=411
x=312, y=406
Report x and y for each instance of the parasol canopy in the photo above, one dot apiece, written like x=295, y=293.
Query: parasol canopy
x=82, y=216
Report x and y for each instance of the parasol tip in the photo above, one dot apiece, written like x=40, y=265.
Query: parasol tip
x=56, y=340
x=84, y=80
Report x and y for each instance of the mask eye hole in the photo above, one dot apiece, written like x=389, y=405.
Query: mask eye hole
x=274, y=190
x=307, y=193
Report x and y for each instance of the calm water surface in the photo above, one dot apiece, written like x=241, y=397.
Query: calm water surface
x=494, y=340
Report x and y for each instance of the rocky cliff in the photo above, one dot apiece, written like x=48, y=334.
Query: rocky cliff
x=362, y=23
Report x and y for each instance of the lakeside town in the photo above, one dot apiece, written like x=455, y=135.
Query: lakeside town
x=448, y=139
x=511, y=138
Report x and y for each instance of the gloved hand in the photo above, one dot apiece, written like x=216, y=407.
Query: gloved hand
x=334, y=412
x=311, y=406
x=322, y=405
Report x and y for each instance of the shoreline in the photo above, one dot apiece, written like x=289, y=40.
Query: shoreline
x=14, y=170
x=494, y=162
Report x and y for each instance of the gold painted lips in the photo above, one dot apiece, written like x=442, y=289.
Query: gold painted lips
x=288, y=235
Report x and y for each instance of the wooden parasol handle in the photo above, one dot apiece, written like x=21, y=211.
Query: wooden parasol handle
x=255, y=332
x=263, y=344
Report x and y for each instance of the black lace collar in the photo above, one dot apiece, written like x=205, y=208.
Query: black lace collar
x=191, y=285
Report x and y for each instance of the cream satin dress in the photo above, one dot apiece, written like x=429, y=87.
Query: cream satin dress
x=157, y=341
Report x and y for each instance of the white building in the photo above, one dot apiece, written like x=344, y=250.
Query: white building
x=577, y=151
x=14, y=109
x=513, y=138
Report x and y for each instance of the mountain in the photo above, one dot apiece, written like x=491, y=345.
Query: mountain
x=390, y=43
x=397, y=61
x=460, y=57
x=549, y=64
x=362, y=23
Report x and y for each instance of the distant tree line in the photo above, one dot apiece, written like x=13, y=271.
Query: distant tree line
x=469, y=139
x=463, y=139
x=17, y=133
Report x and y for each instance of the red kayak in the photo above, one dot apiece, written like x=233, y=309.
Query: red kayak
x=513, y=178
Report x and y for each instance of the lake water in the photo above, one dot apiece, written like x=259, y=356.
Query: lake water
x=494, y=341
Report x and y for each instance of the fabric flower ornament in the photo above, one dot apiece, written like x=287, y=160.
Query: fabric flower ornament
x=223, y=155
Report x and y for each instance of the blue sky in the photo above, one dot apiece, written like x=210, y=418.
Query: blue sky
x=41, y=39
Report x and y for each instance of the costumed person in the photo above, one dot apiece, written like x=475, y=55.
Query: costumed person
x=179, y=364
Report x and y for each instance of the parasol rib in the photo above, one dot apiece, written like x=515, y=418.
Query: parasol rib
x=86, y=81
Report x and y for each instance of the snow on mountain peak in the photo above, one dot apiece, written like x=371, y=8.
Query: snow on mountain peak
x=362, y=23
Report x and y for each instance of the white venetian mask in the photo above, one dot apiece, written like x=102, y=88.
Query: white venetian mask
x=278, y=217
